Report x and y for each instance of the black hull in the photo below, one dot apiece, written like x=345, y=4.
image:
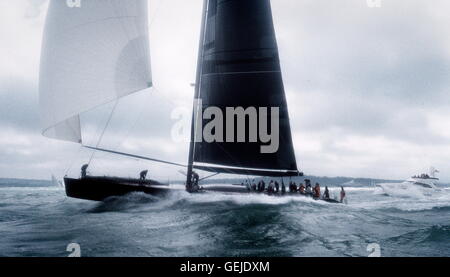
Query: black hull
x=100, y=188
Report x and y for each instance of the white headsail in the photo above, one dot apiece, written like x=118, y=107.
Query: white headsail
x=93, y=52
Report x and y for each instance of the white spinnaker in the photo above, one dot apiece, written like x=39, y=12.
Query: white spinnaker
x=93, y=52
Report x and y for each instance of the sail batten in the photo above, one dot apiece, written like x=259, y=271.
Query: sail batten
x=91, y=55
x=248, y=171
x=240, y=68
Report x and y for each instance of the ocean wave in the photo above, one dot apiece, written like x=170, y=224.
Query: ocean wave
x=432, y=234
x=216, y=224
x=126, y=202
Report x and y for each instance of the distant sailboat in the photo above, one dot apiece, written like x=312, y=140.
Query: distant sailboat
x=56, y=182
x=99, y=52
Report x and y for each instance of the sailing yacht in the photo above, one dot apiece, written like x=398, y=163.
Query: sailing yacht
x=97, y=52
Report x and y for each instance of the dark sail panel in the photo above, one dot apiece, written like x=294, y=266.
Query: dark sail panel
x=241, y=68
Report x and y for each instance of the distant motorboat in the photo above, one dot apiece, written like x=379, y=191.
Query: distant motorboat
x=424, y=181
x=424, y=184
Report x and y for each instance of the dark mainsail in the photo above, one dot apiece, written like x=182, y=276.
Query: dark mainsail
x=239, y=66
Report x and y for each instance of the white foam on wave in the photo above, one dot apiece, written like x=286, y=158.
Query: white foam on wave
x=358, y=198
x=409, y=201
x=354, y=189
x=248, y=199
x=29, y=189
x=406, y=190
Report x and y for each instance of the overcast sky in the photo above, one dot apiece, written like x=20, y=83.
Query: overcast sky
x=368, y=90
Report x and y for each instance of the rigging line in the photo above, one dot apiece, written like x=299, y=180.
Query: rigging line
x=197, y=94
x=132, y=127
x=73, y=161
x=104, y=130
x=134, y=156
x=210, y=176
x=153, y=91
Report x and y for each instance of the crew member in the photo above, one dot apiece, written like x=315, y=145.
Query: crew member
x=317, y=191
x=309, y=190
x=84, y=170
x=294, y=187
x=143, y=175
x=302, y=188
x=247, y=185
x=263, y=186
x=270, y=188
x=195, y=178
x=326, y=194
x=342, y=195
x=308, y=187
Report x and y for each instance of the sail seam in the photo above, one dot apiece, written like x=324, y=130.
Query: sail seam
x=247, y=72
x=242, y=168
x=96, y=21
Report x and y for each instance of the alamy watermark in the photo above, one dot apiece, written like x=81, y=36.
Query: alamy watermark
x=74, y=249
x=231, y=125
x=374, y=250
x=73, y=3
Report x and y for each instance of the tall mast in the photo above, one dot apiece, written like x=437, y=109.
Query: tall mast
x=197, y=95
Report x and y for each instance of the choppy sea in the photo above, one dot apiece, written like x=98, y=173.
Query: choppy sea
x=40, y=221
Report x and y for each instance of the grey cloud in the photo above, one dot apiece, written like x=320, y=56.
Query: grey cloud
x=365, y=71
x=19, y=105
x=34, y=8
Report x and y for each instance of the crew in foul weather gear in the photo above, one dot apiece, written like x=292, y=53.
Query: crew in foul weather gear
x=309, y=190
x=302, y=189
x=342, y=194
x=317, y=191
x=195, y=179
x=84, y=170
x=270, y=189
x=283, y=188
x=263, y=186
x=277, y=187
x=143, y=175
x=247, y=185
x=326, y=194
x=254, y=186
x=293, y=187
x=308, y=187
